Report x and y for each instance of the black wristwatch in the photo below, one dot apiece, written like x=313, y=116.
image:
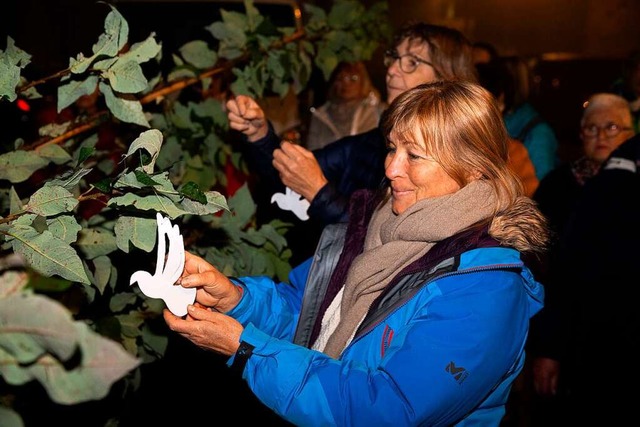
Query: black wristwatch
x=242, y=355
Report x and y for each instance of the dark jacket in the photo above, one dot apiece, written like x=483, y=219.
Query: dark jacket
x=594, y=293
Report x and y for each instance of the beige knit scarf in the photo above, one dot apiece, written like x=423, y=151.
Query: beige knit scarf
x=395, y=241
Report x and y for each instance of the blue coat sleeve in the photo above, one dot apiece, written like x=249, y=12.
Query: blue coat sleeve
x=271, y=306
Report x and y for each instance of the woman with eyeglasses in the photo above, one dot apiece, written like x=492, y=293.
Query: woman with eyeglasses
x=606, y=124
x=353, y=106
x=327, y=177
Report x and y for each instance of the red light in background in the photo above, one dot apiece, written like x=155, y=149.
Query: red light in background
x=23, y=105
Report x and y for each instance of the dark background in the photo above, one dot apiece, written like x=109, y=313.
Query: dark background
x=576, y=47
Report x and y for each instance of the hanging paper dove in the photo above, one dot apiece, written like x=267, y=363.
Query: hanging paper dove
x=169, y=267
x=292, y=201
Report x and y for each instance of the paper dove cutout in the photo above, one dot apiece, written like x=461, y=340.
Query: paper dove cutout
x=292, y=201
x=168, y=271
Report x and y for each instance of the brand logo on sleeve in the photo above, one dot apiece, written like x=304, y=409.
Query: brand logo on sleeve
x=457, y=372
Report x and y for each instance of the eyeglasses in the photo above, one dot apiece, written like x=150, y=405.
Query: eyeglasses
x=610, y=130
x=408, y=61
x=352, y=78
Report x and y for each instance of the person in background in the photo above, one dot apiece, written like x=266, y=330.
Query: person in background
x=605, y=125
x=628, y=86
x=484, y=52
x=596, y=324
x=416, y=312
x=353, y=106
x=327, y=177
x=524, y=122
x=493, y=77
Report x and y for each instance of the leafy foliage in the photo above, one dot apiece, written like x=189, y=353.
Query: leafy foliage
x=74, y=211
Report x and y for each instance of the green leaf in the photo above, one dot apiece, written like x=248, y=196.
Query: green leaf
x=64, y=227
x=85, y=153
x=27, y=337
x=109, y=43
x=55, y=153
x=68, y=179
x=104, y=185
x=144, y=178
x=126, y=77
x=9, y=80
x=103, y=363
x=151, y=141
x=52, y=200
x=143, y=51
x=192, y=191
x=71, y=89
x=47, y=254
x=102, y=272
x=15, y=202
x=198, y=54
x=156, y=203
x=10, y=418
x=18, y=166
x=126, y=110
x=242, y=208
x=141, y=232
x=94, y=242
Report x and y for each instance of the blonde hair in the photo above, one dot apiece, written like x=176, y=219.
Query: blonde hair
x=458, y=124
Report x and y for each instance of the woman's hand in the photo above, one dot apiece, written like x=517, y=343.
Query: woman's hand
x=207, y=329
x=246, y=116
x=214, y=289
x=299, y=170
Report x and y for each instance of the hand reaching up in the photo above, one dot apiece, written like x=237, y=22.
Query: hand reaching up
x=299, y=170
x=246, y=116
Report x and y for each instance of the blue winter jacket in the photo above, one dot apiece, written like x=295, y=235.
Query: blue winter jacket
x=441, y=347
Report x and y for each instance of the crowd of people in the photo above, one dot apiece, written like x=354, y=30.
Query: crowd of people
x=456, y=259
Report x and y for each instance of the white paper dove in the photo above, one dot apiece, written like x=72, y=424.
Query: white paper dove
x=292, y=201
x=169, y=267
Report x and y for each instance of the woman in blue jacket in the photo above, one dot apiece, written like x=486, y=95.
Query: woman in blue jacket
x=416, y=312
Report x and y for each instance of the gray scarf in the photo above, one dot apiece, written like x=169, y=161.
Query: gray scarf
x=395, y=241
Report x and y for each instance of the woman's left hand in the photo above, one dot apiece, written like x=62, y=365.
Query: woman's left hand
x=207, y=329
